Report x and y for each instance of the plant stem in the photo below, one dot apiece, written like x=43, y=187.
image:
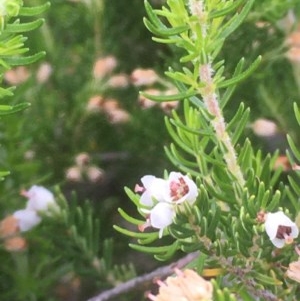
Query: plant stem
x=209, y=95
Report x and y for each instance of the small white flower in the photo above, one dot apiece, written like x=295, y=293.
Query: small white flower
x=162, y=197
x=27, y=219
x=161, y=216
x=280, y=229
x=181, y=188
x=151, y=190
x=39, y=198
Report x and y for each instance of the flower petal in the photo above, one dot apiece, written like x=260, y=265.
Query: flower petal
x=27, y=219
x=162, y=215
x=39, y=198
x=192, y=190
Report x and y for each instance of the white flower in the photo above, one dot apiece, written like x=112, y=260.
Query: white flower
x=39, y=198
x=162, y=196
x=161, y=216
x=280, y=229
x=180, y=188
x=27, y=219
x=151, y=190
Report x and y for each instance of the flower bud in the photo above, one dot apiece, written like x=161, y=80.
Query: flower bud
x=15, y=244
x=144, y=77
x=264, y=128
x=104, y=66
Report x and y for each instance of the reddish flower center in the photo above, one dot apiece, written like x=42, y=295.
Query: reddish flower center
x=178, y=189
x=283, y=232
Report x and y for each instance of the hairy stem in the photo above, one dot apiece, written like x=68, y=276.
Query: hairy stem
x=210, y=99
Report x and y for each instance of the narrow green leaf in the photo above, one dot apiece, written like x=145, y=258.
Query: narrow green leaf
x=25, y=60
x=3, y=174
x=185, y=162
x=24, y=27
x=152, y=15
x=265, y=279
x=236, y=79
x=294, y=184
x=240, y=127
x=237, y=20
x=238, y=115
x=179, y=76
x=153, y=250
x=139, y=235
x=35, y=10
x=176, y=139
x=6, y=110
x=162, y=98
x=135, y=198
x=130, y=219
x=293, y=199
x=179, y=164
x=165, y=32
x=229, y=91
x=274, y=201
x=169, y=40
x=297, y=112
x=293, y=147
x=225, y=11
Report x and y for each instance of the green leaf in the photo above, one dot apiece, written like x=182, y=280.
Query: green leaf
x=152, y=15
x=6, y=110
x=175, y=137
x=3, y=174
x=25, y=60
x=293, y=147
x=133, y=196
x=24, y=27
x=139, y=235
x=236, y=79
x=229, y=91
x=225, y=11
x=155, y=250
x=162, y=98
x=265, y=279
x=130, y=219
x=35, y=10
x=237, y=20
x=165, y=32
x=297, y=112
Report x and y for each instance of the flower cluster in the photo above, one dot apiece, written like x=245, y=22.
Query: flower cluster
x=159, y=198
x=40, y=200
x=186, y=285
x=83, y=169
